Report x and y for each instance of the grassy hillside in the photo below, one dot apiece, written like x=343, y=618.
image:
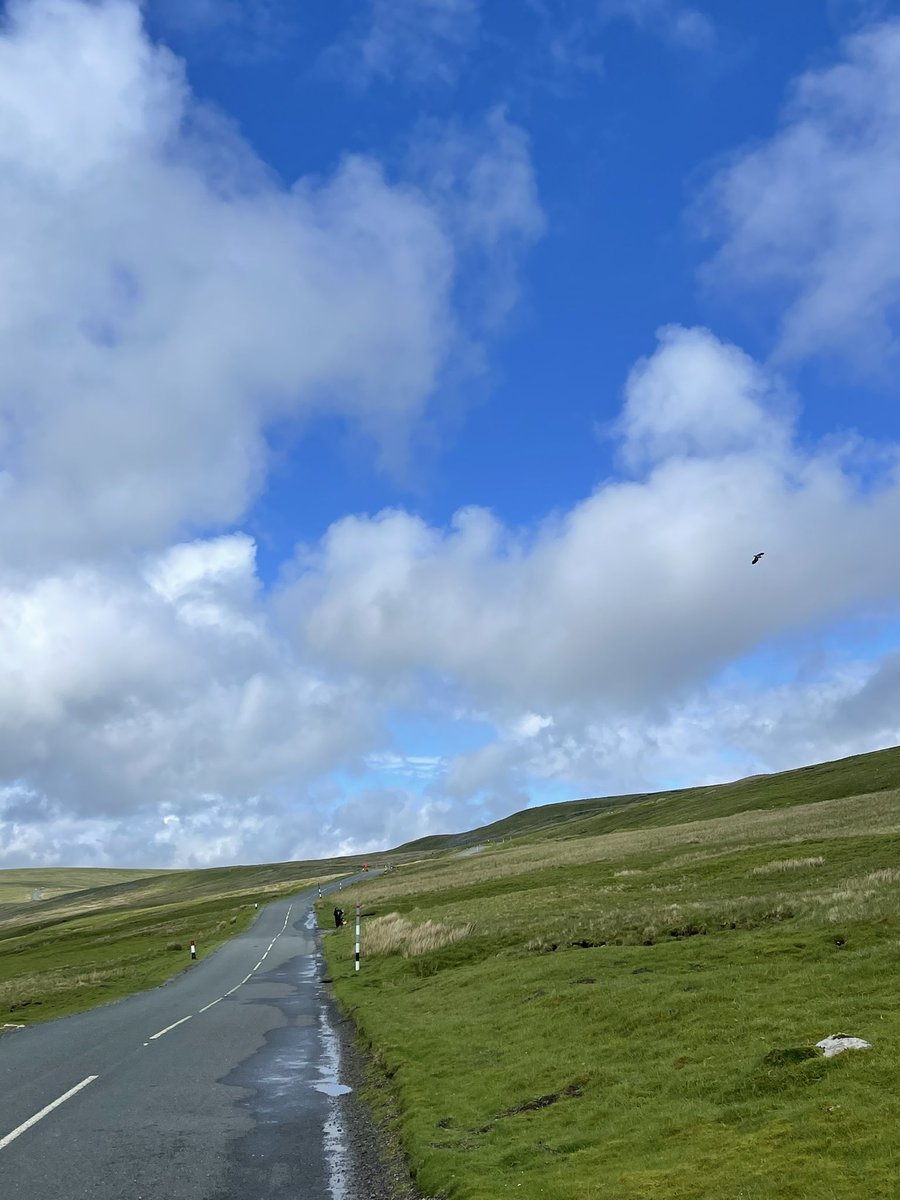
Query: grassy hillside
x=805, y=785
x=625, y=1003
x=20, y=886
x=611, y=998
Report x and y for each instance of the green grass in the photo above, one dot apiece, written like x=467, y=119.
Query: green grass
x=18, y=886
x=614, y=999
x=94, y=944
x=805, y=785
x=104, y=934
x=632, y=1012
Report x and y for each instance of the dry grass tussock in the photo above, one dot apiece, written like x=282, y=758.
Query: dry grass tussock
x=39, y=986
x=870, y=897
x=392, y=934
x=789, y=864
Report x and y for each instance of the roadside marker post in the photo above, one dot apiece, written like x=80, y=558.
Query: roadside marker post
x=193, y=949
x=356, y=964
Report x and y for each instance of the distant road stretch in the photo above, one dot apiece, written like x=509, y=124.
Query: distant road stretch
x=218, y=1086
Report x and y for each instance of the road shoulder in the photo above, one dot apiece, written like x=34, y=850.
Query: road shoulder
x=378, y=1164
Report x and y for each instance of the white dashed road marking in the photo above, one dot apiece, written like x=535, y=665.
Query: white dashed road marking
x=17, y=1132
x=11, y=1137
x=174, y=1025
x=230, y=991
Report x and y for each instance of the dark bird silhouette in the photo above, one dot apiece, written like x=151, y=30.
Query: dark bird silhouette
x=756, y=558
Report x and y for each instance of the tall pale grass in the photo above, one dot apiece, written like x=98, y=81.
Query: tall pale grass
x=865, y=897
x=37, y=986
x=393, y=934
x=789, y=864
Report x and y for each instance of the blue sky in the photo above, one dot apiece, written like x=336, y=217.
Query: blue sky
x=395, y=393
x=621, y=148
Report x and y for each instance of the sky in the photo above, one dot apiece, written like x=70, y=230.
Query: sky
x=394, y=393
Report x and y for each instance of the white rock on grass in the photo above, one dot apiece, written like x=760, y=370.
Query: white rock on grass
x=837, y=1043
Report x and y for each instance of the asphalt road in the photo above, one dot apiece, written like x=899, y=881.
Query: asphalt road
x=218, y=1086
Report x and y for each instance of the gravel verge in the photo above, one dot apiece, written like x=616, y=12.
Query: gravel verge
x=378, y=1166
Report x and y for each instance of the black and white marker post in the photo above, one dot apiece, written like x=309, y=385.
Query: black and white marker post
x=356, y=965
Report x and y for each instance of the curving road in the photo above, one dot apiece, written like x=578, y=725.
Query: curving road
x=218, y=1086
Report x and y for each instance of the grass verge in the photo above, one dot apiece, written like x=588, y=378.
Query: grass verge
x=633, y=1015
x=99, y=943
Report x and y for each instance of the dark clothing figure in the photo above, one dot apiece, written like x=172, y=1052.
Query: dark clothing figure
x=338, y=918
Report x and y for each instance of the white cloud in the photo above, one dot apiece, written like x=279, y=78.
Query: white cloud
x=208, y=831
x=812, y=211
x=718, y=732
x=485, y=181
x=196, y=576
x=164, y=299
x=638, y=591
x=531, y=724
x=699, y=398
x=160, y=712
x=416, y=41
x=116, y=693
x=676, y=22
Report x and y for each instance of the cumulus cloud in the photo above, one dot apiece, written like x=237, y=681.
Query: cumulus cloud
x=163, y=683
x=415, y=41
x=638, y=591
x=165, y=299
x=720, y=731
x=380, y=818
x=811, y=211
x=698, y=397
x=618, y=620
x=171, y=707
x=154, y=714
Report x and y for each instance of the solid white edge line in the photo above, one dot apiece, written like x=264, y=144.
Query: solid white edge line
x=11, y=1137
x=175, y=1025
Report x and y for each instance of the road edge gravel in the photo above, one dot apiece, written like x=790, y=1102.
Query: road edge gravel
x=379, y=1169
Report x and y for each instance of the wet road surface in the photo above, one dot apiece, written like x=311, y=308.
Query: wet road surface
x=221, y=1085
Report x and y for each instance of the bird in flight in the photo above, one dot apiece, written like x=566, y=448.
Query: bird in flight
x=756, y=558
